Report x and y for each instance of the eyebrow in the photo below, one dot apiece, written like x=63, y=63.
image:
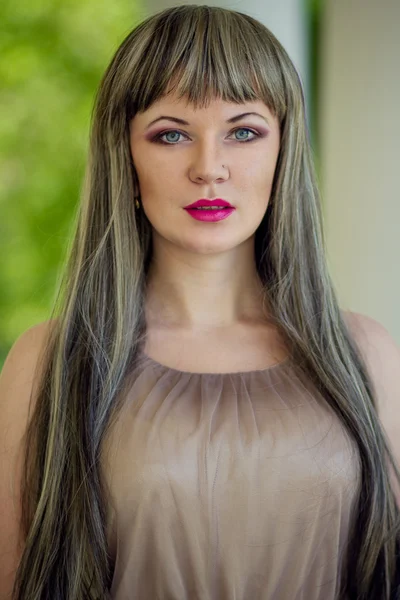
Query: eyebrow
x=231, y=120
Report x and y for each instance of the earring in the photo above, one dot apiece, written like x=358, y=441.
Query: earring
x=137, y=202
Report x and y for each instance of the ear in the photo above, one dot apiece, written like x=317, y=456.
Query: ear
x=382, y=357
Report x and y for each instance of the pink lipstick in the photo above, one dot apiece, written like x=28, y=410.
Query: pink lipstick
x=199, y=210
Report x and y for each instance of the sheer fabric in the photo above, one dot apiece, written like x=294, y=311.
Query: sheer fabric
x=234, y=486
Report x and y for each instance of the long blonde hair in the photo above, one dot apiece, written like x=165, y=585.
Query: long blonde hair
x=98, y=315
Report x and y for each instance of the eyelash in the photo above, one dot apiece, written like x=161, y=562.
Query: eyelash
x=158, y=137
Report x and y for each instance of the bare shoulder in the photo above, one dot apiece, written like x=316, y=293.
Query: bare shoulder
x=382, y=357
x=18, y=382
x=29, y=339
x=19, y=368
x=369, y=333
x=18, y=373
x=376, y=344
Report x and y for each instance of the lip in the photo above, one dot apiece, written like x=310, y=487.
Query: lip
x=206, y=202
x=210, y=216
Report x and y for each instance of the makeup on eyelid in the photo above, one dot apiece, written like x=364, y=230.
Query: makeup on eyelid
x=257, y=134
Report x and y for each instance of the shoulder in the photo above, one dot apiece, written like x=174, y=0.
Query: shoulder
x=19, y=375
x=23, y=356
x=381, y=354
x=373, y=339
x=19, y=379
x=18, y=382
x=367, y=330
x=31, y=338
x=382, y=357
x=35, y=334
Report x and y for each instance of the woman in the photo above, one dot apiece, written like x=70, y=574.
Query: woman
x=204, y=424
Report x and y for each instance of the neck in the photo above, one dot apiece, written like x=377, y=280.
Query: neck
x=199, y=291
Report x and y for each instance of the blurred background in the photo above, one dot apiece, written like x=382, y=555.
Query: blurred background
x=53, y=55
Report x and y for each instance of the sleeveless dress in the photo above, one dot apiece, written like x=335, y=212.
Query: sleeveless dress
x=233, y=486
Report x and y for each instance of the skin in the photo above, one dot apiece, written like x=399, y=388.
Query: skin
x=203, y=275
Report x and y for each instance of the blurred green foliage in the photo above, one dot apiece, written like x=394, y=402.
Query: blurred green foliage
x=52, y=57
x=314, y=17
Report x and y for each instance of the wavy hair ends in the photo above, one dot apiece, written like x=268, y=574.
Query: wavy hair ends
x=97, y=321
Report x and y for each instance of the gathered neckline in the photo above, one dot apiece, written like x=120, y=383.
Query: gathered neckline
x=275, y=367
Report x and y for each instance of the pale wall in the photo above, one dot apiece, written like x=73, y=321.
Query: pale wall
x=360, y=152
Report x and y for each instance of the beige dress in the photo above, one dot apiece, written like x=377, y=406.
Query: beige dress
x=234, y=486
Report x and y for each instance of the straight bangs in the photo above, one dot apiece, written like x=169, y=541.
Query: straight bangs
x=228, y=57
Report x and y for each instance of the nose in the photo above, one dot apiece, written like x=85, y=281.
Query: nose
x=208, y=166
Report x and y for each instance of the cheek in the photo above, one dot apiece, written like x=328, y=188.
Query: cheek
x=154, y=177
x=260, y=166
x=257, y=180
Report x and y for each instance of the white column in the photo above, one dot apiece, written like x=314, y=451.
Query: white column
x=360, y=152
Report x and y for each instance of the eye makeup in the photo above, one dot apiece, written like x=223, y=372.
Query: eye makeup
x=157, y=137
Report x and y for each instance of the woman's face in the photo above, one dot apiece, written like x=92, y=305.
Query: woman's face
x=208, y=157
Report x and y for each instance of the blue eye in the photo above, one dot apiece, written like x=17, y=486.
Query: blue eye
x=169, y=133
x=246, y=129
x=158, y=137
